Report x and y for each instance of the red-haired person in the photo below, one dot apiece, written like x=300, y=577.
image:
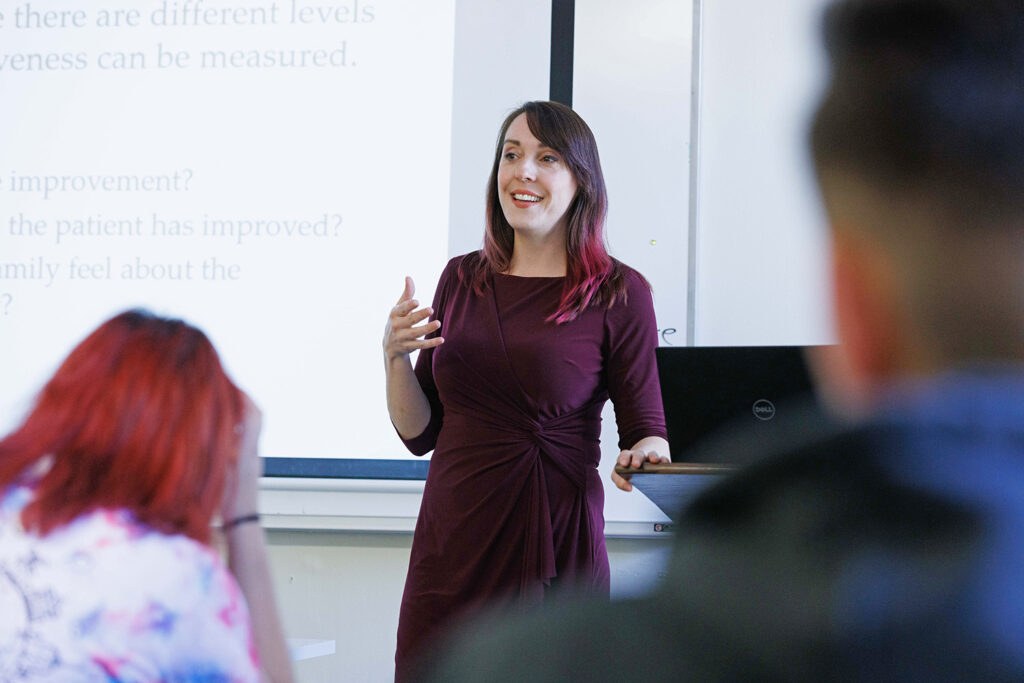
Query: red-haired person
x=526, y=341
x=107, y=492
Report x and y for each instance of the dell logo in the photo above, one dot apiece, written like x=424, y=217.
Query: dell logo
x=764, y=409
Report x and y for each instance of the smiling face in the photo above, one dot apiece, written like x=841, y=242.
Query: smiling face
x=535, y=186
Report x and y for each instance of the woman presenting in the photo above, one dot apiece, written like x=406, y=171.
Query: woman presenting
x=528, y=339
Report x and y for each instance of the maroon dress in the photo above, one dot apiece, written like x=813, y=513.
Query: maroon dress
x=513, y=503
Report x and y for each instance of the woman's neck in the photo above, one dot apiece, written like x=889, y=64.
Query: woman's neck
x=532, y=257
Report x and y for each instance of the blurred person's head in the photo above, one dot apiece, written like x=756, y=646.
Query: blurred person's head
x=919, y=150
x=141, y=417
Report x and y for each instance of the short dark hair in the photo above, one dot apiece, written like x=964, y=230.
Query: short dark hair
x=927, y=96
x=924, y=111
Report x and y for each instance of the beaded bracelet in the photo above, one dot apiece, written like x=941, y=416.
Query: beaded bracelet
x=232, y=523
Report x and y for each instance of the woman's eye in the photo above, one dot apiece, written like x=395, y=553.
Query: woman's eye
x=549, y=158
x=509, y=156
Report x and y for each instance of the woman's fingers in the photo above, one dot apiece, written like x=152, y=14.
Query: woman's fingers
x=241, y=489
x=636, y=458
x=407, y=339
x=654, y=456
x=632, y=458
x=403, y=308
x=426, y=343
x=404, y=315
x=410, y=289
x=405, y=324
x=409, y=332
x=403, y=333
x=418, y=342
x=621, y=482
x=419, y=316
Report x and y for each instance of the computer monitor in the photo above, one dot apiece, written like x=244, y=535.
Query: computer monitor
x=751, y=390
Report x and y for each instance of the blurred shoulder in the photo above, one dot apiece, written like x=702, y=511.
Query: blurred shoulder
x=581, y=640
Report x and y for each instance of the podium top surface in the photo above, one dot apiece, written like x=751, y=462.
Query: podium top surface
x=670, y=493
x=675, y=468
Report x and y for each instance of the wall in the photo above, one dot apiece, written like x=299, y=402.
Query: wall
x=348, y=586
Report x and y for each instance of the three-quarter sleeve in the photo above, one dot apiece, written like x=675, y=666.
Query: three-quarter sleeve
x=631, y=331
x=425, y=441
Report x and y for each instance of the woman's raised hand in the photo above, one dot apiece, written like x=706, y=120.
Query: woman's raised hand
x=402, y=334
x=247, y=551
x=241, y=492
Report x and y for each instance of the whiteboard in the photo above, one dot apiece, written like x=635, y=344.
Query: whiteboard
x=335, y=163
x=759, y=239
x=269, y=170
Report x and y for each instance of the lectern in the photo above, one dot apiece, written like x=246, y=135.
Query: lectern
x=670, y=485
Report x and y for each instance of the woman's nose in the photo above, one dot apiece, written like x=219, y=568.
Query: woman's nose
x=526, y=170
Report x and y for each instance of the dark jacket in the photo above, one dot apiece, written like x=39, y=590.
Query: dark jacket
x=888, y=550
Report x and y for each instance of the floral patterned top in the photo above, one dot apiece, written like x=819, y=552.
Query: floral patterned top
x=105, y=598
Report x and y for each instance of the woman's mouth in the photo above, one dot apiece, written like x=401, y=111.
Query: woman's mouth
x=525, y=199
